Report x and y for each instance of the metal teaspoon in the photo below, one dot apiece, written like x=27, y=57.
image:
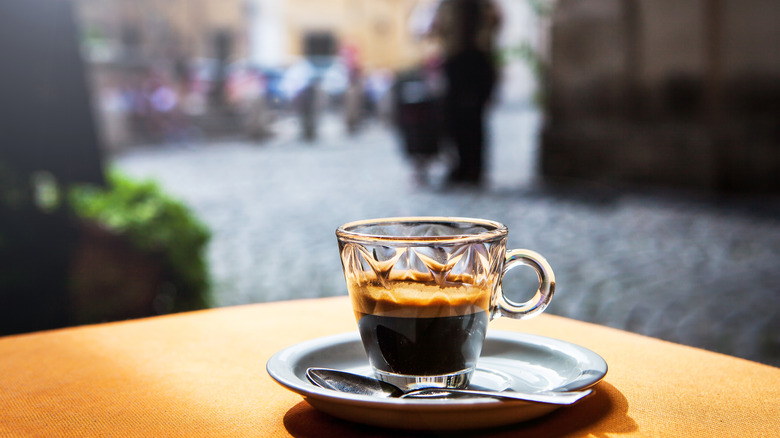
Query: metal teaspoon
x=357, y=384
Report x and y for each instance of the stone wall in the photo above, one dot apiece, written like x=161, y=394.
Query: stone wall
x=665, y=92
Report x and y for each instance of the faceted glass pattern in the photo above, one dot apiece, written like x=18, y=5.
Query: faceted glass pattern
x=476, y=263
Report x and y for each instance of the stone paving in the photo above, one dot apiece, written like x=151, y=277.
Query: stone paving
x=685, y=267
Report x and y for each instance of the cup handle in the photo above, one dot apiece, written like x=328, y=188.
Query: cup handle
x=541, y=299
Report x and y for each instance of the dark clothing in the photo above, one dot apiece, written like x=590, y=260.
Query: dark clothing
x=306, y=103
x=467, y=29
x=471, y=77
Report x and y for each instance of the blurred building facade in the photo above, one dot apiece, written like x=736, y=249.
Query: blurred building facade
x=378, y=32
x=270, y=32
x=125, y=30
x=125, y=42
x=676, y=93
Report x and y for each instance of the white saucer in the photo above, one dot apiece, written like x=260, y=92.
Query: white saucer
x=509, y=361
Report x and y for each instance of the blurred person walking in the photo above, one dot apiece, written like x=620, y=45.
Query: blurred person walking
x=307, y=104
x=354, y=101
x=467, y=30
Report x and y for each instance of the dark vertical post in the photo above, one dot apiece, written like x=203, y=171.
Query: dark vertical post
x=46, y=127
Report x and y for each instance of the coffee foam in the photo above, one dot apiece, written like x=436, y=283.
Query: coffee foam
x=418, y=300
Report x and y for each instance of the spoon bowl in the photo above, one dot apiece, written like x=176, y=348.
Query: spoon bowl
x=352, y=383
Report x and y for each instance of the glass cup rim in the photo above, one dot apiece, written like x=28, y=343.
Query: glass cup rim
x=494, y=230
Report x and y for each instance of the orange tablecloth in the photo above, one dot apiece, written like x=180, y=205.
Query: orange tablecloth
x=203, y=374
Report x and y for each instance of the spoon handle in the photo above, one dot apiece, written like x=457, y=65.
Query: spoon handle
x=557, y=398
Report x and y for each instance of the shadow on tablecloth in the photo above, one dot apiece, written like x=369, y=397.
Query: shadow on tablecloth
x=604, y=412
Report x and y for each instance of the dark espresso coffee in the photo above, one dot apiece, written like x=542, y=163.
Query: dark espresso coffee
x=423, y=330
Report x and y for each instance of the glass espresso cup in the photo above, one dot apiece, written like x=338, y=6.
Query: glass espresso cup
x=423, y=290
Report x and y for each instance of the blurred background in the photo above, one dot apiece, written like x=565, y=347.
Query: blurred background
x=161, y=156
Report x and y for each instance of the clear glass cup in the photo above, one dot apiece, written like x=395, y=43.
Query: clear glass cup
x=423, y=290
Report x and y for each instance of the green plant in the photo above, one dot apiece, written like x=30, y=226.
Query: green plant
x=153, y=222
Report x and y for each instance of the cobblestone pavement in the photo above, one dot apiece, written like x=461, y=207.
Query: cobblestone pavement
x=687, y=268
